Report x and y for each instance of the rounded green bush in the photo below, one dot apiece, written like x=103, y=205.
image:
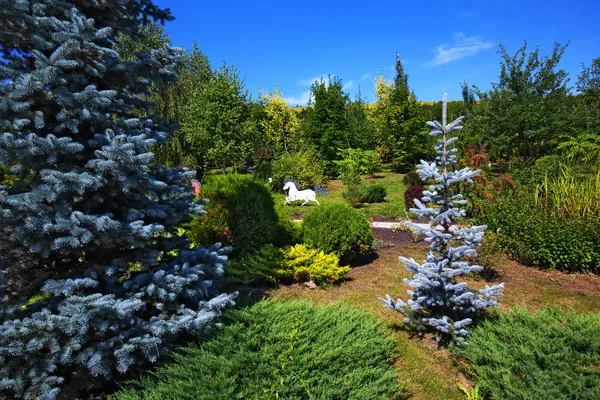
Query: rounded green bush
x=284, y=350
x=241, y=213
x=338, y=229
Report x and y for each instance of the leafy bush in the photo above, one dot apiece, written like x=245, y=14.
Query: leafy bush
x=412, y=179
x=271, y=266
x=412, y=193
x=240, y=212
x=486, y=186
x=374, y=193
x=538, y=237
x=358, y=161
x=303, y=166
x=291, y=350
x=548, y=354
x=338, y=229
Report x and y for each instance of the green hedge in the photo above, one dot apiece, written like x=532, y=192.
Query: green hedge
x=282, y=350
x=536, y=237
x=549, y=354
x=338, y=229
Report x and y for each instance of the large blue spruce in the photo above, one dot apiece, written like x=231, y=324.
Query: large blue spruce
x=437, y=301
x=97, y=278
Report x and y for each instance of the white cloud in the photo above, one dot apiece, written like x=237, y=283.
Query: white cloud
x=300, y=100
x=309, y=82
x=348, y=85
x=365, y=76
x=463, y=46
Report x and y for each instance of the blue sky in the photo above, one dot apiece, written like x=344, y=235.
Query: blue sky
x=441, y=44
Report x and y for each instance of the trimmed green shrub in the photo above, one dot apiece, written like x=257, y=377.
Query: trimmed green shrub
x=338, y=229
x=285, y=350
x=374, y=193
x=412, y=193
x=537, y=237
x=303, y=166
x=412, y=179
x=241, y=213
x=548, y=354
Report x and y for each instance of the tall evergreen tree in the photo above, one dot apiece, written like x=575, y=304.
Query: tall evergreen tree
x=398, y=121
x=438, y=301
x=88, y=223
x=360, y=128
x=327, y=124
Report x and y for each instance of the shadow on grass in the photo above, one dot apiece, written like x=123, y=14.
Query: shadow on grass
x=362, y=260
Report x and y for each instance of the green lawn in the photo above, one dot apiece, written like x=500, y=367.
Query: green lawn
x=393, y=207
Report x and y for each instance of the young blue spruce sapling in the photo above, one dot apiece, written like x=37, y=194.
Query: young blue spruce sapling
x=437, y=300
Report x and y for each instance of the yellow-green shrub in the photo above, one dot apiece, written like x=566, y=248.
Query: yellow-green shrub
x=307, y=264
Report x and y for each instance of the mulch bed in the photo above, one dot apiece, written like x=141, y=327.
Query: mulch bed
x=395, y=238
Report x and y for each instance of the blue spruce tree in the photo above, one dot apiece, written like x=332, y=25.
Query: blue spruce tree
x=437, y=300
x=96, y=276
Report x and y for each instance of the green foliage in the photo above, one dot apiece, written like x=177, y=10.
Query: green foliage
x=398, y=121
x=327, y=124
x=258, y=269
x=357, y=162
x=473, y=394
x=315, y=265
x=217, y=122
x=548, y=354
x=279, y=124
x=523, y=115
x=291, y=350
x=538, y=236
x=240, y=212
x=588, y=82
x=271, y=266
x=570, y=197
x=338, y=229
x=486, y=186
x=354, y=193
x=374, y=193
x=360, y=128
x=412, y=193
x=173, y=102
x=411, y=179
x=302, y=165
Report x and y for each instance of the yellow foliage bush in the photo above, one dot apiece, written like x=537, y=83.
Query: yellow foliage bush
x=307, y=264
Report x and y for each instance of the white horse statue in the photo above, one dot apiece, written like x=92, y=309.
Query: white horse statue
x=295, y=194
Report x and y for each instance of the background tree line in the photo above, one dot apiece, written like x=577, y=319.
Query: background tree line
x=530, y=113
